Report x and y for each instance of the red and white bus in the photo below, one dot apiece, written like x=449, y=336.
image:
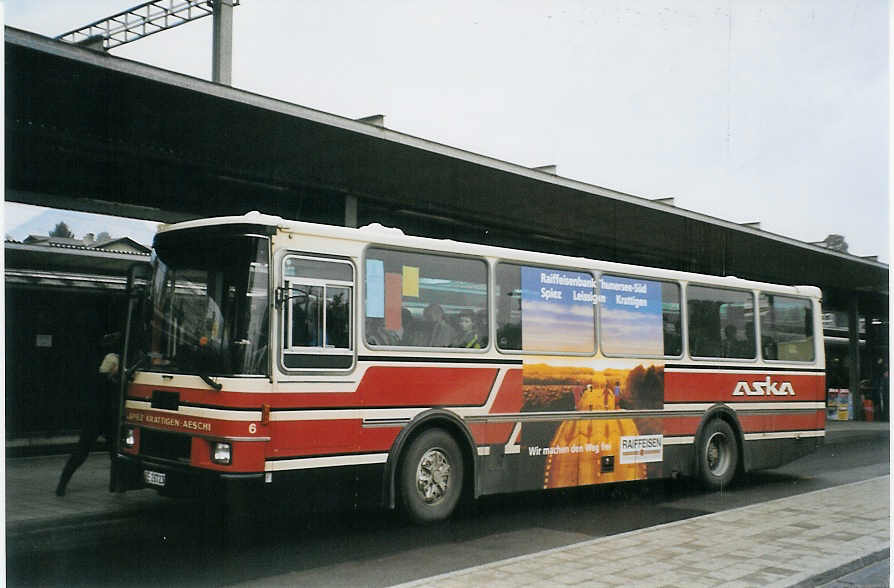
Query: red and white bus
x=269, y=354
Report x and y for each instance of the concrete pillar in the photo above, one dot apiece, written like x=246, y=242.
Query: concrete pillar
x=222, y=43
x=351, y=211
x=853, y=333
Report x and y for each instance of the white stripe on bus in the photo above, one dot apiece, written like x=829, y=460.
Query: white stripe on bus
x=195, y=411
x=732, y=370
x=784, y=435
x=782, y=405
x=324, y=462
x=679, y=440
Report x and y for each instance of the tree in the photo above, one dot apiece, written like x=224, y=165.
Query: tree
x=103, y=236
x=62, y=230
x=835, y=242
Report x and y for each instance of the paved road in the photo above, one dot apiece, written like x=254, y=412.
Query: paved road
x=157, y=541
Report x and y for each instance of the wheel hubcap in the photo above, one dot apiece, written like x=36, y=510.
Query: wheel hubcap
x=433, y=475
x=718, y=454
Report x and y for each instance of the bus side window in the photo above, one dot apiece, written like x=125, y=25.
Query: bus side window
x=640, y=317
x=418, y=299
x=672, y=319
x=508, y=303
x=721, y=323
x=317, y=313
x=546, y=310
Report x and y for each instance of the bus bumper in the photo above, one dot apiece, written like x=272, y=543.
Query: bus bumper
x=134, y=473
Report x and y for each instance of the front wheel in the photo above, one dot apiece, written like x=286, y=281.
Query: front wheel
x=431, y=477
x=718, y=455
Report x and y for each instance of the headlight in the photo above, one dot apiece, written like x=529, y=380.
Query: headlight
x=128, y=437
x=221, y=453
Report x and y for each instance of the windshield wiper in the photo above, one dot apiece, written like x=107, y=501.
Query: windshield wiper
x=207, y=379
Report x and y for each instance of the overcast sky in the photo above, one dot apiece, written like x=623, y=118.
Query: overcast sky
x=772, y=111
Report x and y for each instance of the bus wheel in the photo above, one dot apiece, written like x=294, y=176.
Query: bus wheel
x=718, y=455
x=431, y=477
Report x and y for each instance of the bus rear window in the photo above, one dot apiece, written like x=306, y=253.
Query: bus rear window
x=786, y=328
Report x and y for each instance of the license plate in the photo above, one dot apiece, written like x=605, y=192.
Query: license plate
x=154, y=478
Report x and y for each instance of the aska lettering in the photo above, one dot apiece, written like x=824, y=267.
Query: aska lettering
x=765, y=387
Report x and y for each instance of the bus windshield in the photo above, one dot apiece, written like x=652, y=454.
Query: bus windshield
x=208, y=305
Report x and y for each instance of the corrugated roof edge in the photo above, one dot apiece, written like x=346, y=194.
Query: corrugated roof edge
x=45, y=246
x=66, y=50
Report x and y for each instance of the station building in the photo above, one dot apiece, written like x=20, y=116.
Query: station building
x=92, y=132
x=62, y=297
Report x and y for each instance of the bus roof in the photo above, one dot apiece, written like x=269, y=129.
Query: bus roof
x=378, y=234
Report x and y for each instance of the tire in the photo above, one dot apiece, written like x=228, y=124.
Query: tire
x=431, y=477
x=718, y=455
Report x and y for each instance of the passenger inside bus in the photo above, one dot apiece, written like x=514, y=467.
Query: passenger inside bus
x=409, y=329
x=468, y=335
x=466, y=329
x=377, y=334
x=441, y=333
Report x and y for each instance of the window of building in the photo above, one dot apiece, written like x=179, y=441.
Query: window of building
x=640, y=317
x=721, y=323
x=316, y=299
x=786, y=328
x=545, y=309
x=425, y=300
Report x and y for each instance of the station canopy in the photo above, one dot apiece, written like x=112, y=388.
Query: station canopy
x=92, y=132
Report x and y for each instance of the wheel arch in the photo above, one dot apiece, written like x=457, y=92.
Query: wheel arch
x=430, y=419
x=727, y=414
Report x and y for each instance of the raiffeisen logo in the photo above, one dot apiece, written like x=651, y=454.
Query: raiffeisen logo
x=765, y=387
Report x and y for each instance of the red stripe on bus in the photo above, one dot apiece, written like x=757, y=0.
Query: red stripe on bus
x=753, y=423
x=479, y=433
x=305, y=438
x=782, y=422
x=719, y=387
x=381, y=387
x=681, y=426
x=385, y=386
x=509, y=397
x=378, y=439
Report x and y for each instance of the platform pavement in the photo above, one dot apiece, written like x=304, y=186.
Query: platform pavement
x=784, y=542
x=31, y=505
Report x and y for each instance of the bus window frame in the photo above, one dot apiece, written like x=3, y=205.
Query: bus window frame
x=361, y=309
x=683, y=330
x=687, y=325
x=279, y=281
x=594, y=273
x=813, y=316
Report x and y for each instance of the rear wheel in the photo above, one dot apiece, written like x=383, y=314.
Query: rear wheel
x=718, y=455
x=431, y=476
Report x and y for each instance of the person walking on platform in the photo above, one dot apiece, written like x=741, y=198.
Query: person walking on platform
x=100, y=412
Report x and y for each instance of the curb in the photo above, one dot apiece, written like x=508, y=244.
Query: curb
x=845, y=569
